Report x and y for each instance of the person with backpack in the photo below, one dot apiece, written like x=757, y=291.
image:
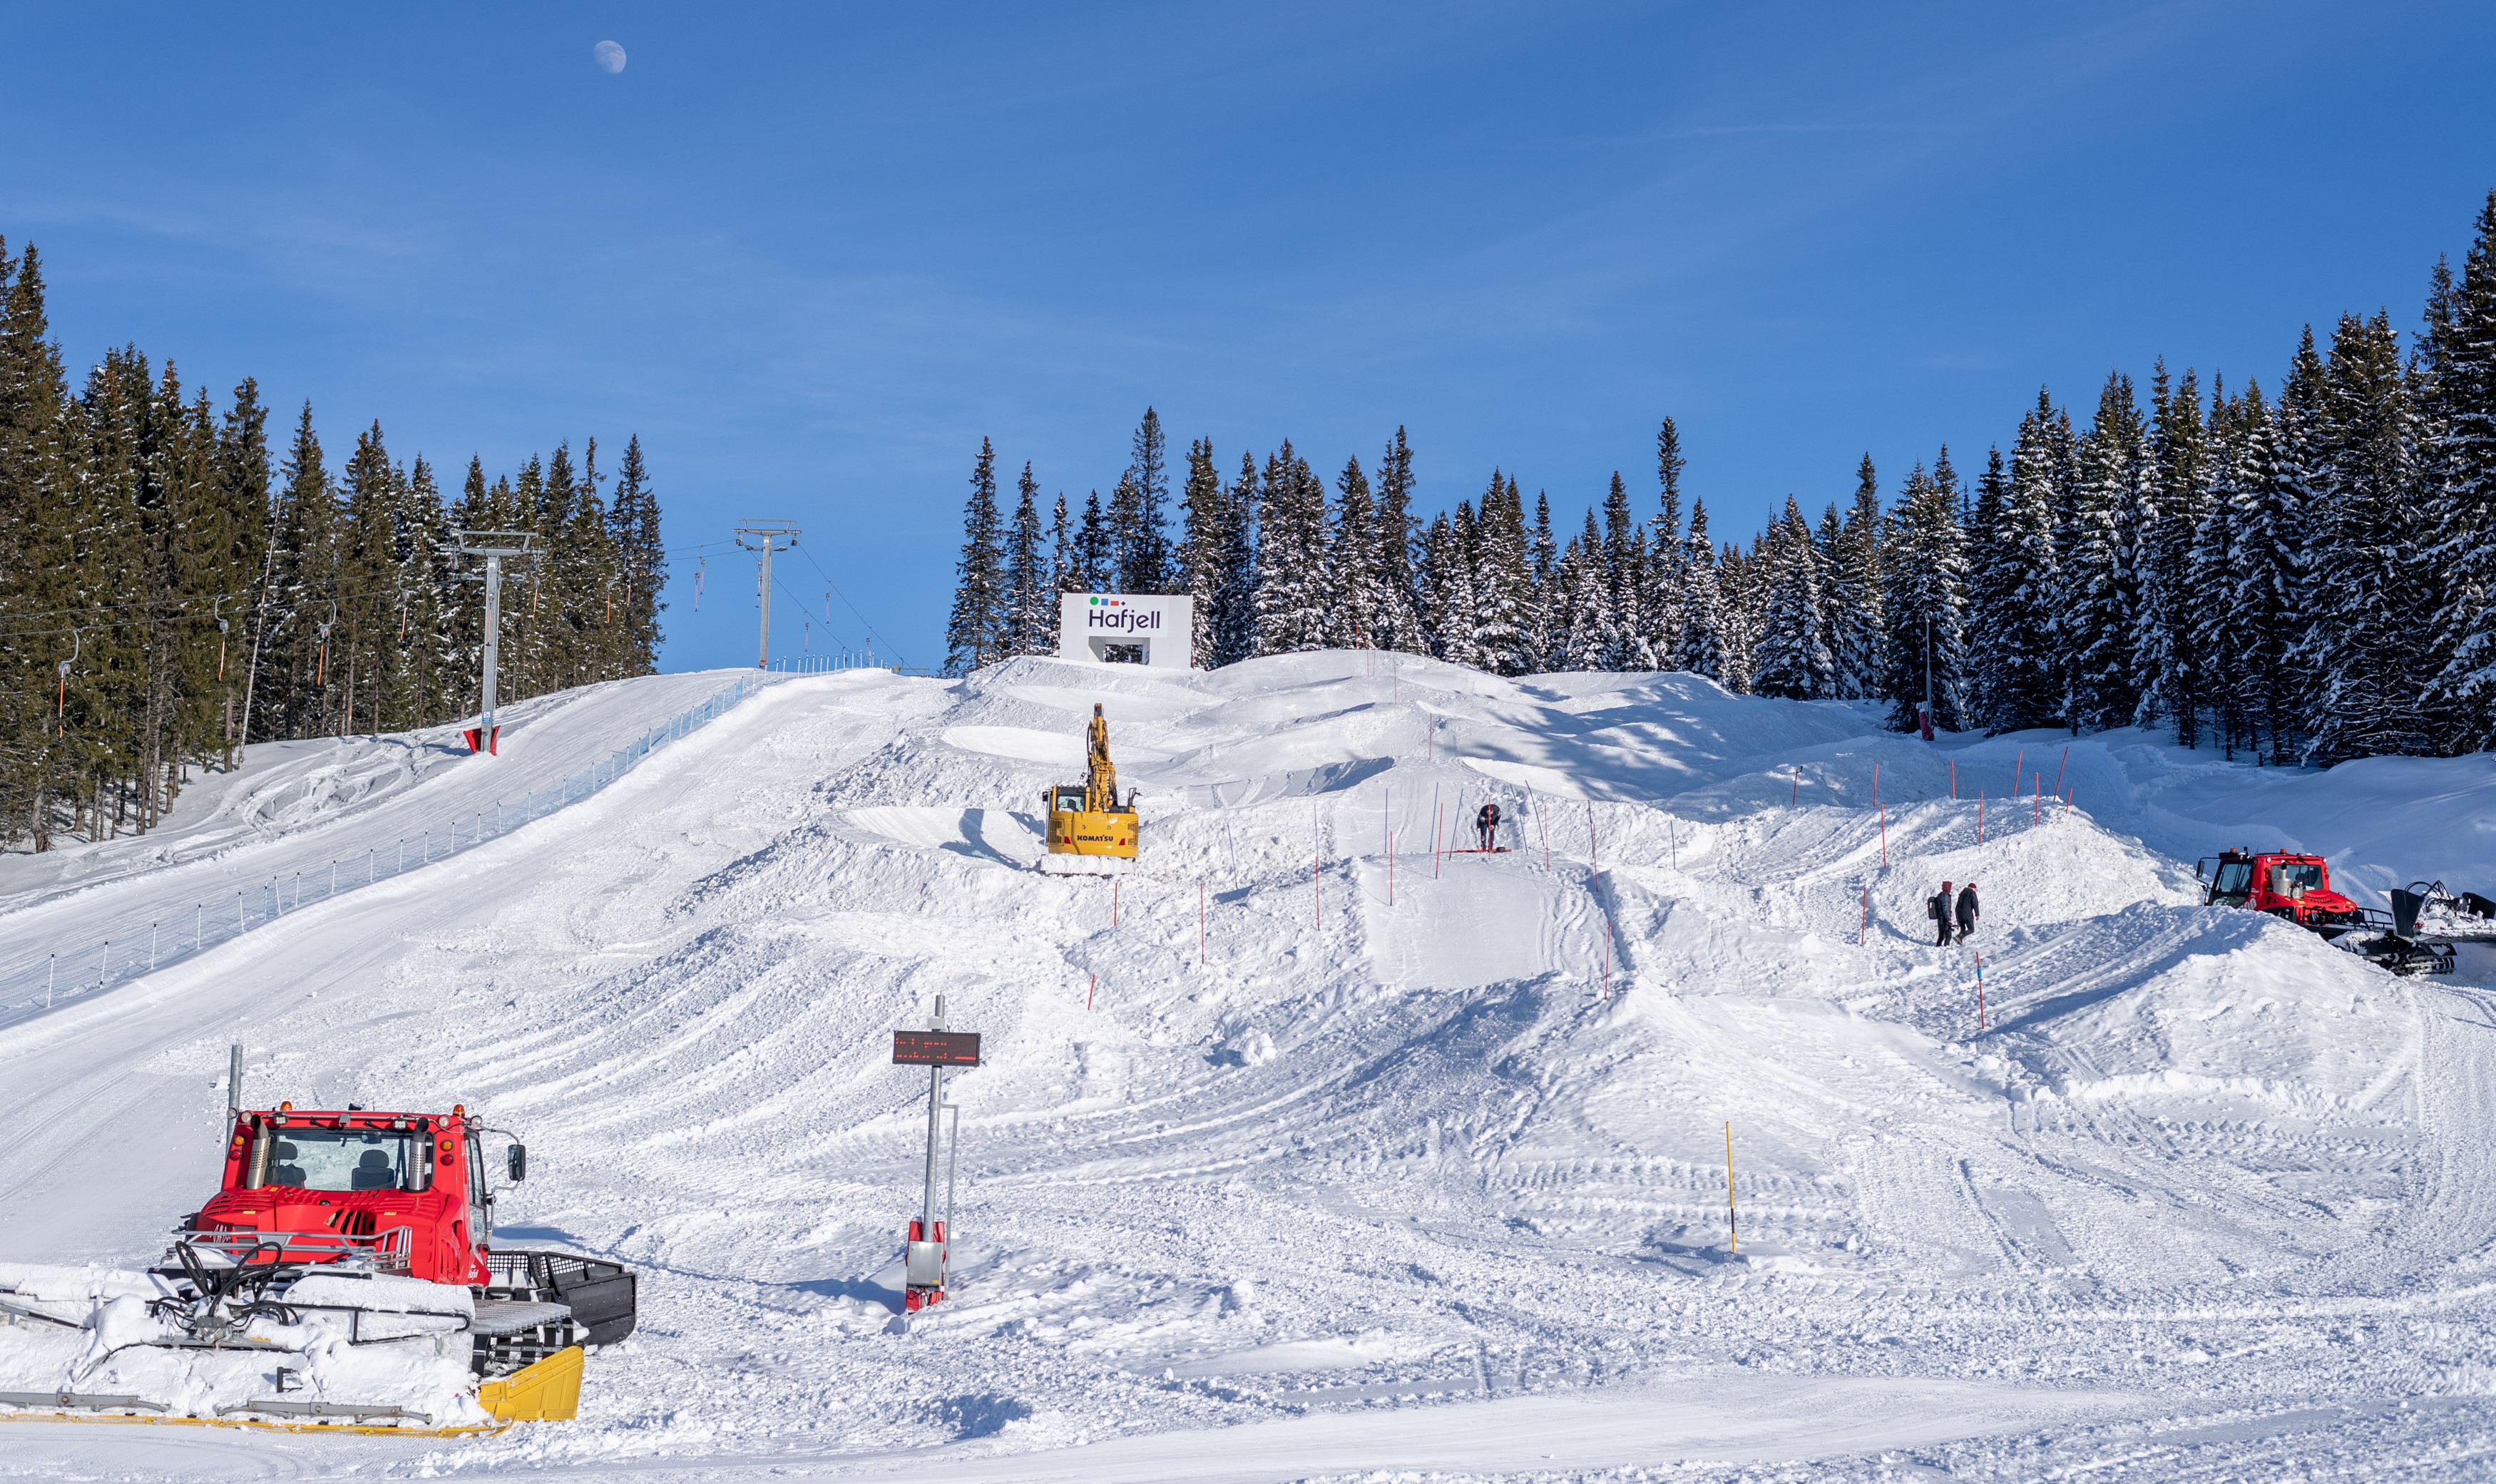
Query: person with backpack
x=1938, y=908
x=1488, y=822
x=1966, y=910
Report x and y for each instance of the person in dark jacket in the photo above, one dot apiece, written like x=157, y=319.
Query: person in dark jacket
x=1938, y=908
x=1488, y=822
x=1967, y=911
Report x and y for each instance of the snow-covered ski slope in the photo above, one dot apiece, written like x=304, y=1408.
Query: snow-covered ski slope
x=1346, y=1188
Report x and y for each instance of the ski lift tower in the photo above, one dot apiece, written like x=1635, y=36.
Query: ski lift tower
x=496, y=547
x=771, y=536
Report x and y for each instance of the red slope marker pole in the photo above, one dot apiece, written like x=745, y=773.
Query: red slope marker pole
x=2036, y=800
x=2014, y=771
x=2058, y=770
x=1954, y=778
x=1089, y=990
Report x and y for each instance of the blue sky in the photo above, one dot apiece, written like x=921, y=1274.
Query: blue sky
x=813, y=254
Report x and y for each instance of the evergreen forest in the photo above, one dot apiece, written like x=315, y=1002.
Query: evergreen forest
x=2299, y=574
x=168, y=591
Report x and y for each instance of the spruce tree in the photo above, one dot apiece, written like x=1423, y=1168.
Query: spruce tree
x=1589, y=637
x=2163, y=660
x=1357, y=602
x=1502, y=587
x=1399, y=621
x=1790, y=659
x=1545, y=634
x=1235, y=637
x=1856, y=594
x=1668, y=564
x=1143, y=533
x=2463, y=468
x=1031, y=598
x=1625, y=561
x=2098, y=590
x=1294, y=582
x=2366, y=609
x=1204, y=521
x=2017, y=650
x=1927, y=574
x=1094, y=557
x=1701, y=647
x=974, y=636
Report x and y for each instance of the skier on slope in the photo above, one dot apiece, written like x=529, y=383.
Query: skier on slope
x=1488, y=822
x=1966, y=910
x=1938, y=908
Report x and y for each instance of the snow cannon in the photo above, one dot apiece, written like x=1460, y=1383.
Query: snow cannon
x=342, y=1278
x=1090, y=833
x=2297, y=887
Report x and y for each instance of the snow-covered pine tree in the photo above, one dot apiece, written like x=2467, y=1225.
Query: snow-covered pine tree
x=2098, y=593
x=2366, y=616
x=1926, y=582
x=1740, y=594
x=1094, y=553
x=1791, y=659
x=2163, y=659
x=1204, y=516
x=1856, y=591
x=2215, y=625
x=1625, y=560
x=974, y=636
x=2017, y=650
x=1701, y=647
x=1356, y=599
x=1293, y=583
x=2464, y=694
x=2268, y=542
x=1501, y=590
x=1143, y=530
x=1235, y=634
x=1031, y=599
x=1065, y=567
x=1829, y=540
x=1543, y=560
x=1448, y=586
x=1668, y=561
x=1589, y=638
x=1399, y=619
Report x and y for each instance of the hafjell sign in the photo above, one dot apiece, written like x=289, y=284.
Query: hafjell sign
x=1150, y=628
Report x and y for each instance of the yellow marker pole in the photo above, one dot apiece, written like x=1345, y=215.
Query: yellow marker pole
x=1733, y=1228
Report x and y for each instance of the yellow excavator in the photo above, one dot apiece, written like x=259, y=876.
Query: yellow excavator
x=1090, y=833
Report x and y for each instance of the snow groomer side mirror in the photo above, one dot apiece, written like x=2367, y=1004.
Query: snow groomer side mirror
x=517, y=1157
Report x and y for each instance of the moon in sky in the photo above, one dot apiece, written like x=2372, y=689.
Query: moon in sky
x=609, y=56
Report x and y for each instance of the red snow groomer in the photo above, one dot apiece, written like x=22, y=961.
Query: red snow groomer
x=2297, y=887
x=353, y=1251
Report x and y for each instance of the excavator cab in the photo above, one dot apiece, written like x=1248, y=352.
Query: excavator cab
x=1090, y=833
